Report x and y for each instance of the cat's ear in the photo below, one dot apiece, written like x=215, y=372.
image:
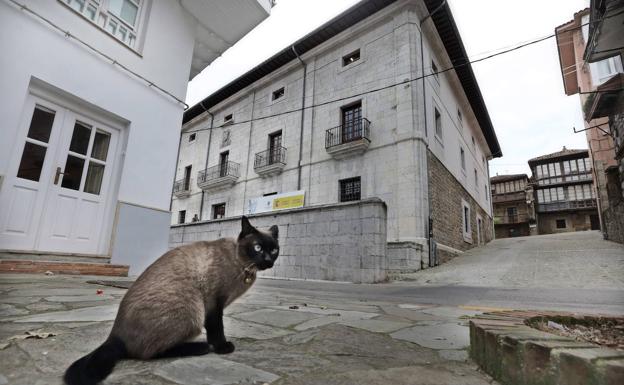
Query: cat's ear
x=274, y=231
x=247, y=228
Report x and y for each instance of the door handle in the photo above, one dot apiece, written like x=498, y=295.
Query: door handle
x=57, y=175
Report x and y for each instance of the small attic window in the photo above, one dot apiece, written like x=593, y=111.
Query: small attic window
x=278, y=94
x=350, y=58
x=228, y=119
x=192, y=137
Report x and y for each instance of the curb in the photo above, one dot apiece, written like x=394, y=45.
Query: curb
x=513, y=353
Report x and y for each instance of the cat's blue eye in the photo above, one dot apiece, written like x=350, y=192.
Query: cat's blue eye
x=257, y=247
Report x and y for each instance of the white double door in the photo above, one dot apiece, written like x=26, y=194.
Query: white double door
x=56, y=194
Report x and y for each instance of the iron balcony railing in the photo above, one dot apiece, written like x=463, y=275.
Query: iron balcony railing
x=349, y=132
x=181, y=185
x=567, y=205
x=219, y=171
x=270, y=156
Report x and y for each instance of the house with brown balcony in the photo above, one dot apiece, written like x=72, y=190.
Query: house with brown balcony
x=564, y=192
x=590, y=48
x=514, y=210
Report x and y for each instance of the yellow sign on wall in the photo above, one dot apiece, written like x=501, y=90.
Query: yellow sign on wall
x=288, y=202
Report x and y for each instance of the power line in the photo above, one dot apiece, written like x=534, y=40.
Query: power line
x=407, y=81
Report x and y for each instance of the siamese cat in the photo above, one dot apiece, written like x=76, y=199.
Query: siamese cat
x=182, y=291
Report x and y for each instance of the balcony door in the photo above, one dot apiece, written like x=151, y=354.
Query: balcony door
x=223, y=163
x=351, y=122
x=275, y=145
x=187, y=177
x=56, y=194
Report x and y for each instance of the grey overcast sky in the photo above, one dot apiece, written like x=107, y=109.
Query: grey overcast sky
x=523, y=89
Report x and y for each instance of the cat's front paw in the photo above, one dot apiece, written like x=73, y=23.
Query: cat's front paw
x=224, y=348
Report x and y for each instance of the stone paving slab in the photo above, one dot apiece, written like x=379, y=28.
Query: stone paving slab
x=440, y=336
x=377, y=326
x=212, y=370
x=239, y=329
x=94, y=313
x=279, y=318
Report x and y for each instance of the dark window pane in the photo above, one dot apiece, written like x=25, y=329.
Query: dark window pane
x=80, y=138
x=41, y=124
x=350, y=189
x=100, y=146
x=73, y=172
x=95, y=173
x=32, y=162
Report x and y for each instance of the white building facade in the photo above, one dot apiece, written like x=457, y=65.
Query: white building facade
x=92, y=96
x=345, y=114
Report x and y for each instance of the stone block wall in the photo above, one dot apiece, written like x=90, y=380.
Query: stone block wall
x=446, y=210
x=405, y=257
x=575, y=221
x=336, y=242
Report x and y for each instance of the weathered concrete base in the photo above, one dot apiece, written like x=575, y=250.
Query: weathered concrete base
x=404, y=256
x=514, y=353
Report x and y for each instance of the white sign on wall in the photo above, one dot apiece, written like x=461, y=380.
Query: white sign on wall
x=288, y=200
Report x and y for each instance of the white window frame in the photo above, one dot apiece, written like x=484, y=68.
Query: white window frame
x=462, y=158
x=466, y=232
x=437, y=117
x=103, y=17
x=614, y=65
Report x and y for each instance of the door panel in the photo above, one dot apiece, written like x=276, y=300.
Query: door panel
x=28, y=177
x=77, y=202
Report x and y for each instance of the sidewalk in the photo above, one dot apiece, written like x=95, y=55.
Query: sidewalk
x=280, y=338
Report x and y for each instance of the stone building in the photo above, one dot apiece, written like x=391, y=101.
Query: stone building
x=563, y=185
x=514, y=210
x=359, y=108
x=590, y=53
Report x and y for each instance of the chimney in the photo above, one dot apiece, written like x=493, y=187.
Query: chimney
x=564, y=148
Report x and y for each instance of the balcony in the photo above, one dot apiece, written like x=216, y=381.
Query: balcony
x=348, y=139
x=509, y=197
x=270, y=162
x=511, y=219
x=182, y=188
x=219, y=176
x=566, y=205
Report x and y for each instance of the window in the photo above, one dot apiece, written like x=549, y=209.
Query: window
x=275, y=147
x=181, y=216
x=486, y=192
x=434, y=71
x=350, y=189
x=187, y=177
x=120, y=18
x=351, y=122
x=36, y=145
x=476, y=178
x=474, y=145
x=603, y=70
x=228, y=119
x=192, y=137
x=462, y=156
x=466, y=227
x=223, y=163
x=277, y=94
x=269, y=194
x=218, y=211
x=351, y=58
x=460, y=119
x=438, y=123
x=561, y=223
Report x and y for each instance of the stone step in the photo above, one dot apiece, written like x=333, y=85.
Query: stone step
x=57, y=267
x=53, y=257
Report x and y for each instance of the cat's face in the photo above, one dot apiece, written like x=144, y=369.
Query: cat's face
x=262, y=248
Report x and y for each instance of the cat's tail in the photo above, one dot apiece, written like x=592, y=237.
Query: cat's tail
x=97, y=365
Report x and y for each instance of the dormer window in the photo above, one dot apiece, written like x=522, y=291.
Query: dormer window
x=278, y=94
x=350, y=58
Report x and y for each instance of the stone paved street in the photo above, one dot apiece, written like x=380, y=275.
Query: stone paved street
x=292, y=332
x=322, y=341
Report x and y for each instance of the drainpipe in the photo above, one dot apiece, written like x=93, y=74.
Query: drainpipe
x=201, y=205
x=424, y=91
x=303, y=95
x=175, y=173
